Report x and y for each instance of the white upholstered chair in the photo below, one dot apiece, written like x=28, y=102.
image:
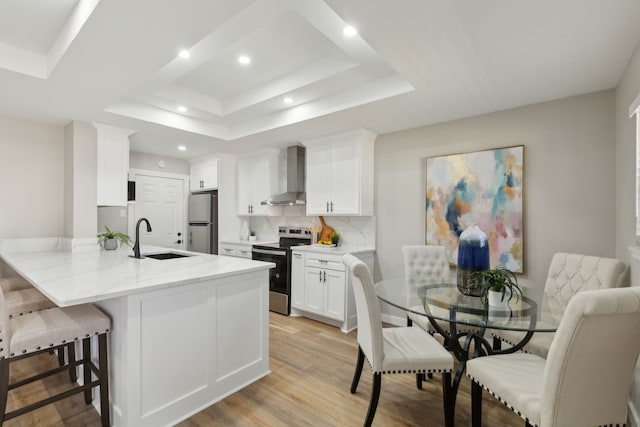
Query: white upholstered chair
x=392, y=350
x=586, y=377
x=50, y=329
x=424, y=261
x=568, y=275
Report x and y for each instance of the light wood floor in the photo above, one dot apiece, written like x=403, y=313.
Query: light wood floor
x=312, y=366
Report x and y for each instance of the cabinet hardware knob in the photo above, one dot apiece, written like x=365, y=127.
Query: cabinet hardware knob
x=179, y=234
x=327, y=206
x=331, y=206
x=320, y=277
x=325, y=276
x=179, y=241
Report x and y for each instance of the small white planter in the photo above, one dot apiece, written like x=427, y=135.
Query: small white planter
x=110, y=244
x=252, y=238
x=495, y=298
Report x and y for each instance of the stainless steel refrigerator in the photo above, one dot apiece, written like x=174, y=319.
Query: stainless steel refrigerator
x=203, y=222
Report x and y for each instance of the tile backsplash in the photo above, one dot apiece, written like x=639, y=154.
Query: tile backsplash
x=354, y=230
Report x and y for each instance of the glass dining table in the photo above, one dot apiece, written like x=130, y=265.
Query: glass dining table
x=465, y=321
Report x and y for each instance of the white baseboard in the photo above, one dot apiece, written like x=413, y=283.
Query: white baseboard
x=634, y=420
x=394, y=320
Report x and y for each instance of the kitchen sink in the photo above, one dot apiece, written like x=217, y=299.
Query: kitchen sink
x=166, y=255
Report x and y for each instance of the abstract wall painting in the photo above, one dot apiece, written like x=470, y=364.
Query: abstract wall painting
x=483, y=188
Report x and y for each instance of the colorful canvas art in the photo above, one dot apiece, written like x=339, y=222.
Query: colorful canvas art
x=482, y=188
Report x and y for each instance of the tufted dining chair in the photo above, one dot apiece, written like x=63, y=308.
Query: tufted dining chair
x=392, y=350
x=586, y=377
x=422, y=262
x=569, y=274
x=54, y=328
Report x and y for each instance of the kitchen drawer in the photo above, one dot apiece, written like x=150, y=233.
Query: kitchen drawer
x=242, y=251
x=332, y=262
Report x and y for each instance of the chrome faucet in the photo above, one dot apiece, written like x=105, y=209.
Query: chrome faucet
x=136, y=246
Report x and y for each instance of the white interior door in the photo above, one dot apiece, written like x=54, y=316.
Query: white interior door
x=161, y=201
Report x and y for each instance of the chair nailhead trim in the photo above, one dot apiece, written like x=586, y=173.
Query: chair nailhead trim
x=50, y=345
x=414, y=371
x=504, y=402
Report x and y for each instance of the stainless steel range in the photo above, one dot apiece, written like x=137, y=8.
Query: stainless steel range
x=280, y=276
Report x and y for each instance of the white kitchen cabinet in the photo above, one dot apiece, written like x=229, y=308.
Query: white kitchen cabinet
x=235, y=249
x=204, y=176
x=112, y=164
x=256, y=181
x=321, y=288
x=297, y=279
x=339, y=177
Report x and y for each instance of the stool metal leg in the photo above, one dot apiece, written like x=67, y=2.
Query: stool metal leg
x=104, y=380
x=86, y=369
x=71, y=355
x=4, y=387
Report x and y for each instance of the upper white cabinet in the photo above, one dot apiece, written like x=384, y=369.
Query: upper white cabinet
x=204, y=176
x=340, y=174
x=112, y=164
x=256, y=181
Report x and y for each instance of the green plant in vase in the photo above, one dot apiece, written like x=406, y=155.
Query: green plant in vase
x=109, y=239
x=335, y=238
x=500, y=280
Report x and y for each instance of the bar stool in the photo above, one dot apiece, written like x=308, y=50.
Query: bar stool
x=8, y=284
x=50, y=329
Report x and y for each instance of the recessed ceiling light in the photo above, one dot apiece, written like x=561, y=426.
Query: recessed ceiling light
x=244, y=59
x=182, y=108
x=288, y=100
x=184, y=54
x=182, y=147
x=349, y=31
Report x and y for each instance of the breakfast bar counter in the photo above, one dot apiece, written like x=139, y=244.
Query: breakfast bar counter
x=186, y=332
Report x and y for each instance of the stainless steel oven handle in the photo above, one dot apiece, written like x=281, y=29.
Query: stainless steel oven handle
x=265, y=252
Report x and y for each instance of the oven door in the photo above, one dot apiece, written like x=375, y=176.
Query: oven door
x=277, y=276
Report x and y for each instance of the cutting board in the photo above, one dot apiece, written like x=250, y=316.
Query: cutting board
x=325, y=232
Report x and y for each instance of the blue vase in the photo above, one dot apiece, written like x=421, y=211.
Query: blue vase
x=473, y=255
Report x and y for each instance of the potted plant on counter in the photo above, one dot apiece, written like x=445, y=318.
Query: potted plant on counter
x=498, y=286
x=252, y=236
x=109, y=239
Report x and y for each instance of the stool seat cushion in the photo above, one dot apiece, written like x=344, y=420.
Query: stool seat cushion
x=26, y=301
x=8, y=284
x=47, y=328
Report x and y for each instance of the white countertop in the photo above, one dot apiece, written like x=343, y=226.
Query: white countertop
x=69, y=278
x=248, y=242
x=337, y=250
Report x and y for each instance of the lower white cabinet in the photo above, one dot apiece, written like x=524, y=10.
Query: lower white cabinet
x=235, y=249
x=321, y=288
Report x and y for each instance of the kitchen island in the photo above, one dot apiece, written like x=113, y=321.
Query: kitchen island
x=186, y=332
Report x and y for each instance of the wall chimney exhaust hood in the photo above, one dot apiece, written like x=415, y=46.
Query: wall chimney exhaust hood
x=295, y=194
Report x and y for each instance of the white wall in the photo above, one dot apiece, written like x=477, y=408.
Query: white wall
x=569, y=188
x=148, y=161
x=628, y=89
x=32, y=179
